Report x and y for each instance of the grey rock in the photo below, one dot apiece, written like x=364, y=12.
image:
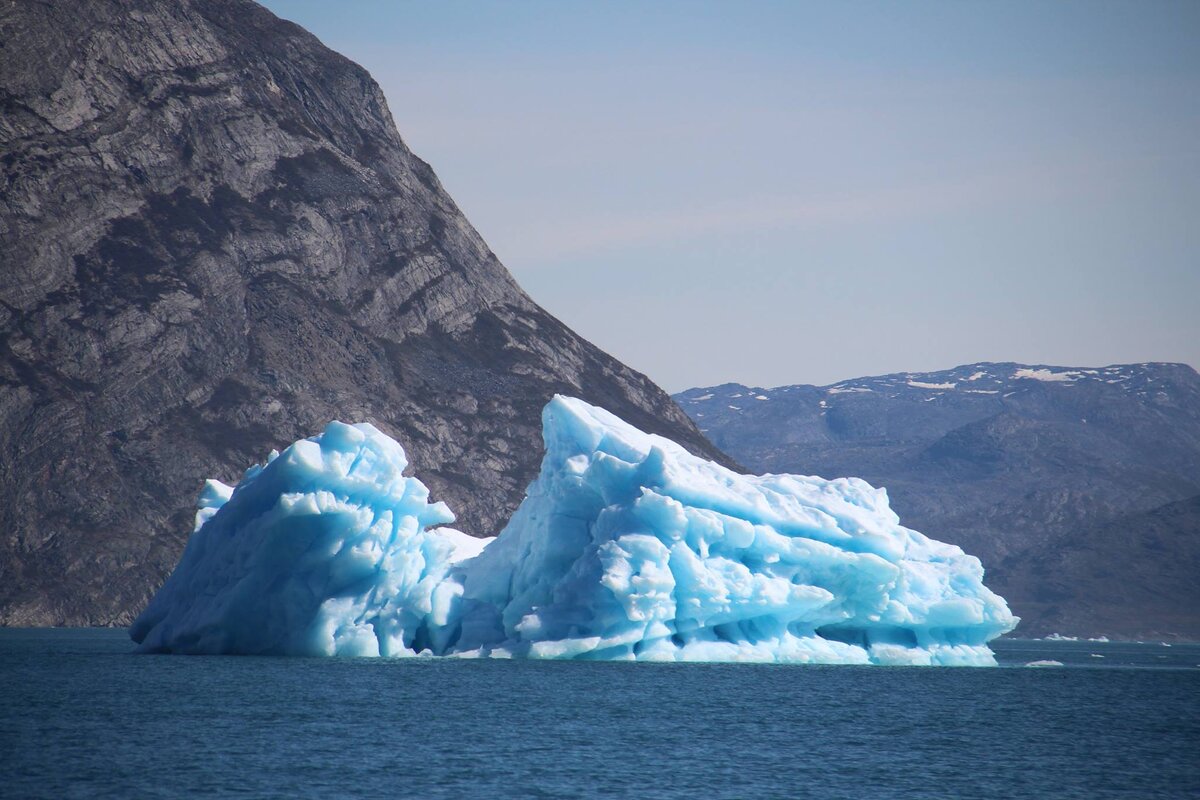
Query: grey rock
x=1075, y=487
x=212, y=242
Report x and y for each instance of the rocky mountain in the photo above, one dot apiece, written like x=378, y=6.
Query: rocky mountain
x=1076, y=487
x=213, y=241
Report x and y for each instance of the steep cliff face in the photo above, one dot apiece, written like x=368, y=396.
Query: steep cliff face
x=213, y=241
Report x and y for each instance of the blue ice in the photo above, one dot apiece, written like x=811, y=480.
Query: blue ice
x=625, y=547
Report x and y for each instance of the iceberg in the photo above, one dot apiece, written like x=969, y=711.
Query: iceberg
x=327, y=549
x=626, y=547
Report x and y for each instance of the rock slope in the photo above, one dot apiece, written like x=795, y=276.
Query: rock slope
x=1075, y=487
x=212, y=242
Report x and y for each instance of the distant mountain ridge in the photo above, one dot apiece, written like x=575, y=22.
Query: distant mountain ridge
x=1076, y=486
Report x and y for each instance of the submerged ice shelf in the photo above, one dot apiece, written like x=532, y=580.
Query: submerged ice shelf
x=625, y=547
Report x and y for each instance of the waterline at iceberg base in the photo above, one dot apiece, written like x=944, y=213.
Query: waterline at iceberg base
x=625, y=547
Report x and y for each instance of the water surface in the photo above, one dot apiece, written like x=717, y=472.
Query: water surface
x=82, y=717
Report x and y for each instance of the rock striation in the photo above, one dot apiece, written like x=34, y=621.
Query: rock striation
x=212, y=242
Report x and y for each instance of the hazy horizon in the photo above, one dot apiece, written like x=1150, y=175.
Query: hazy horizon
x=777, y=193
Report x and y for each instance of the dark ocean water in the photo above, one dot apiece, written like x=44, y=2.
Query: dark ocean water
x=82, y=717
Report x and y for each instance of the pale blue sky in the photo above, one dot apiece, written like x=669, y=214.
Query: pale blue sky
x=789, y=192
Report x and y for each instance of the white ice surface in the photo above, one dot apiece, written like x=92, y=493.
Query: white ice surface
x=1046, y=375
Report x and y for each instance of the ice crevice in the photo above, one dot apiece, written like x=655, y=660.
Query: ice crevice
x=625, y=547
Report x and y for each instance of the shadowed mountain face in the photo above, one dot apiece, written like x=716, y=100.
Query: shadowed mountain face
x=212, y=242
x=1077, y=488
